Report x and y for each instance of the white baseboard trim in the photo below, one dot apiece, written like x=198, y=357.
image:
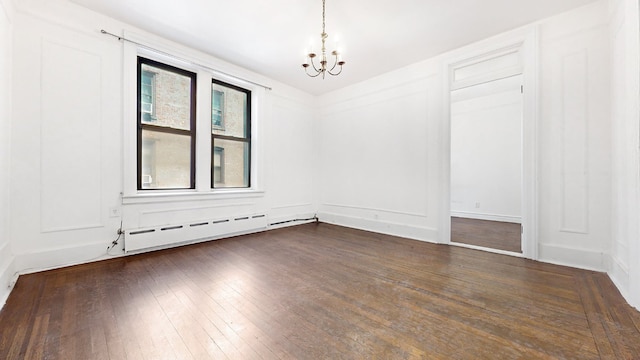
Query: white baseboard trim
x=388, y=228
x=572, y=257
x=8, y=276
x=619, y=275
x=62, y=257
x=490, y=217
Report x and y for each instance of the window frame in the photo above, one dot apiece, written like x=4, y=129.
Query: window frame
x=165, y=129
x=247, y=139
x=205, y=67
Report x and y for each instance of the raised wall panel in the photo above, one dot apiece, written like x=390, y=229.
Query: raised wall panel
x=291, y=186
x=70, y=133
x=575, y=185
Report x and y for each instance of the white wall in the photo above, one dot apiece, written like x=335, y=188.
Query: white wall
x=381, y=146
x=72, y=108
x=6, y=254
x=574, y=139
x=378, y=155
x=625, y=115
x=486, y=151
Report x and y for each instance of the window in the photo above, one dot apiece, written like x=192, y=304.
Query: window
x=166, y=126
x=231, y=144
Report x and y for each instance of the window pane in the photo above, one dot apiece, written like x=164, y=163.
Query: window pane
x=230, y=164
x=218, y=162
x=217, y=106
x=231, y=109
x=166, y=160
x=166, y=98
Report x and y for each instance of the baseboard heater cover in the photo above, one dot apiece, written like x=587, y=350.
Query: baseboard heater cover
x=162, y=236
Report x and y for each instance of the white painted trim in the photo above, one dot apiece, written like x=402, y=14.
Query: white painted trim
x=484, y=78
x=490, y=217
x=376, y=210
x=619, y=275
x=383, y=227
x=47, y=259
x=147, y=198
x=7, y=260
x=8, y=275
x=495, y=251
x=291, y=206
x=573, y=257
x=527, y=39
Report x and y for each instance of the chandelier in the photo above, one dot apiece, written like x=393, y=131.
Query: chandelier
x=322, y=69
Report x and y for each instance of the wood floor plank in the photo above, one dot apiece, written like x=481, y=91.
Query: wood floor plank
x=489, y=234
x=318, y=291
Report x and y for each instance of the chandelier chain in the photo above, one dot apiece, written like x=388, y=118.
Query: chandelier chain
x=323, y=17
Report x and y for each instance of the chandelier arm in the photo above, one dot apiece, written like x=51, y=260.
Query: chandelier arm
x=335, y=63
x=317, y=72
x=338, y=73
x=316, y=75
x=314, y=67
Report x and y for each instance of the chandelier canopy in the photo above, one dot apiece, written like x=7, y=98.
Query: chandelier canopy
x=310, y=66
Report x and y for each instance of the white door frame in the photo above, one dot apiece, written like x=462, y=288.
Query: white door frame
x=526, y=42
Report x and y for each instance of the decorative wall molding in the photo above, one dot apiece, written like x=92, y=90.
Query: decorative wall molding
x=289, y=206
x=71, y=128
x=575, y=144
x=365, y=208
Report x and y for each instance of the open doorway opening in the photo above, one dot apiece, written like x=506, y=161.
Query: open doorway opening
x=486, y=164
x=486, y=81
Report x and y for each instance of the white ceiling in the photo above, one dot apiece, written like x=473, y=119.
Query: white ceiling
x=375, y=36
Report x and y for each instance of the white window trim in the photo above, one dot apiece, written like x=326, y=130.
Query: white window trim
x=203, y=190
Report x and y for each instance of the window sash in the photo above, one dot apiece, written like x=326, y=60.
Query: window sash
x=141, y=126
x=246, y=139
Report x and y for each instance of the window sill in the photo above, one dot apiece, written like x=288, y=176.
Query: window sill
x=158, y=196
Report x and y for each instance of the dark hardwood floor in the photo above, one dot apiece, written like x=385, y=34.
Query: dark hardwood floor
x=318, y=291
x=489, y=234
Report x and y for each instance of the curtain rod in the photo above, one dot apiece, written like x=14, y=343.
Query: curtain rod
x=121, y=38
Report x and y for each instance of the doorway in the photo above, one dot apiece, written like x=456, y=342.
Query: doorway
x=486, y=164
x=496, y=72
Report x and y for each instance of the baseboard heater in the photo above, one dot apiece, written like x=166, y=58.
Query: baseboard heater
x=162, y=236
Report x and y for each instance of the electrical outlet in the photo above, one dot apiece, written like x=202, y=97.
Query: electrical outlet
x=114, y=211
x=477, y=205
